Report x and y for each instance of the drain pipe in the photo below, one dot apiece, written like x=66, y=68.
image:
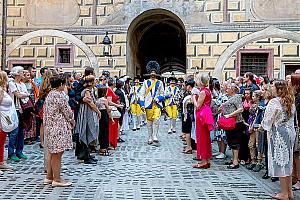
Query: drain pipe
x=4, y=33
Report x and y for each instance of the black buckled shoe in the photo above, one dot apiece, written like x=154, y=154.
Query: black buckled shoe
x=90, y=161
x=274, y=179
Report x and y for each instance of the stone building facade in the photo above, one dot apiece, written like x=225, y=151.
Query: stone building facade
x=222, y=37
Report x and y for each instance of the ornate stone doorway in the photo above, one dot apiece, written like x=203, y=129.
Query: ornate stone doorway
x=159, y=35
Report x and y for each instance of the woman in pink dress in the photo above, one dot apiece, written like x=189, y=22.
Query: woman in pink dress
x=204, y=122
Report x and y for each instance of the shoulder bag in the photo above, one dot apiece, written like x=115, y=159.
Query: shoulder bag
x=25, y=103
x=115, y=113
x=9, y=120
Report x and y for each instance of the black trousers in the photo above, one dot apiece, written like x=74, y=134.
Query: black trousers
x=104, y=130
x=82, y=151
x=244, y=149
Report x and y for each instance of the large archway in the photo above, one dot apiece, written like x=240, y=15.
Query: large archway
x=159, y=35
x=234, y=47
x=55, y=33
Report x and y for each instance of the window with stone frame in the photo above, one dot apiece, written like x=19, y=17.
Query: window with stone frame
x=25, y=63
x=64, y=55
x=258, y=61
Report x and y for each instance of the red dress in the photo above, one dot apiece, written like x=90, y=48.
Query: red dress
x=204, y=124
x=113, y=127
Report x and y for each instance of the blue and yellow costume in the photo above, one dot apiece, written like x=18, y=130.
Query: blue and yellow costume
x=135, y=106
x=172, y=96
x=151, y=98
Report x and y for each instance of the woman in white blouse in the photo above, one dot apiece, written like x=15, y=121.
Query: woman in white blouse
x=279, y=124
x=9, y=119
x=17, y=91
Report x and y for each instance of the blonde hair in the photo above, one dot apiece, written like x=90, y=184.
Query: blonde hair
x=3, y=79
x=234, y=87
x=45, y=85
x=269, y=92
x=203, y=79
x=89, y=80
x=286, y=94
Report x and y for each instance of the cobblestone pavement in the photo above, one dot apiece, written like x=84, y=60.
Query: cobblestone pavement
x=135, y=171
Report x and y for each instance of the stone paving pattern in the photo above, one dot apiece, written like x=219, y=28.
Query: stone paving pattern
x=135, y=171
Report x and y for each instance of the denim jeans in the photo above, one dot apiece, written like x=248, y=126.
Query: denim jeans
x=16, y=140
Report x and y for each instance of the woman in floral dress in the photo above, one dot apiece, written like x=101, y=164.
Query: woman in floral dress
x=279, y=124
x=58, y=123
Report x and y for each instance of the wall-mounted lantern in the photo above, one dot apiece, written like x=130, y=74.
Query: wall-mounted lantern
x=107, y=45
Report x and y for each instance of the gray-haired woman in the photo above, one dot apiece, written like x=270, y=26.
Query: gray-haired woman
x=234, y=108
x=18, y=92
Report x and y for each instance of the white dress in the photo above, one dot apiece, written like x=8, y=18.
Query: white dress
x=195, y=91
x=281, y=136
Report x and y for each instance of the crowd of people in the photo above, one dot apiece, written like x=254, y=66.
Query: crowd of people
x=255, y=117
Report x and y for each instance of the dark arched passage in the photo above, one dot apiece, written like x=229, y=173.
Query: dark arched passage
x=156, y=35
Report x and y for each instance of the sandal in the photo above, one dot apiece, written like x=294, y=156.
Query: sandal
x=233, y=166
x=187, y=151
x=104, y=153
x=279, y=196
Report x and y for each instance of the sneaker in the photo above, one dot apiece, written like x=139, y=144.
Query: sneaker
x=14, y=158
x=258, y=167
x=221, y=156
x=170, y=131
x=22, y=156
x=1, y=172
x=64, y=167
x=5, y=167
x=216, y=154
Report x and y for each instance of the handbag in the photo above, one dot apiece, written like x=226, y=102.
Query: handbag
x=227, y=124
x=9, y=121
x=26, y=104
x=115, y=113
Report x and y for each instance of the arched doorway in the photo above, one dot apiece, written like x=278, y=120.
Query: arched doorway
x=159, y=35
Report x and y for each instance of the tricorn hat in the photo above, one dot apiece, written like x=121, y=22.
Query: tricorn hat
x=153, y=66
x=172, y=78
x=106, y=73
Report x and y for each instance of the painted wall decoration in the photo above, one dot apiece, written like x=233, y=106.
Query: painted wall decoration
x=276, y=10
x=52, y=12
